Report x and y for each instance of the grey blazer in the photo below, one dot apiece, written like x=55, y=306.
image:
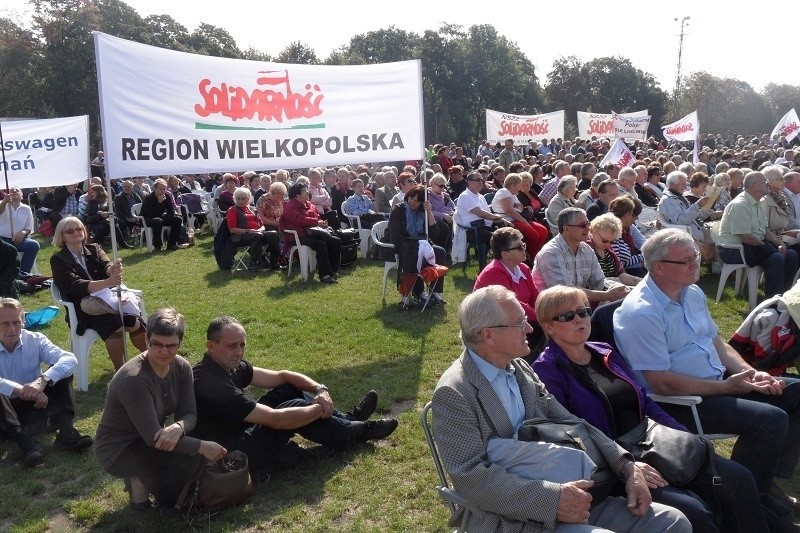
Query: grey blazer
x=466, y=414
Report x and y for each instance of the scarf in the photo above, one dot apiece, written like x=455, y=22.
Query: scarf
x=415, y=222
x=780, y=199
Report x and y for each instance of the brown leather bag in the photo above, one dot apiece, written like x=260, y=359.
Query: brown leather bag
x=219, y=485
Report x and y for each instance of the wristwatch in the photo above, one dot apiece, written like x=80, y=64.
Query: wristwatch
x=319, y=388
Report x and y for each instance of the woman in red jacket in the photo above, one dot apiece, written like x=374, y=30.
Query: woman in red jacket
x=301, y=215
x=508, y=269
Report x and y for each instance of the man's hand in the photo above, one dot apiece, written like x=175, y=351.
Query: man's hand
x=30, y=391
x=211, y=450
x=324, y=399
x=752, y=381
x=652, y=476
x=639, y=498
x=19, y=236
x=704, y=201
x=574, y=502
x=166, y=438
x=618, y=292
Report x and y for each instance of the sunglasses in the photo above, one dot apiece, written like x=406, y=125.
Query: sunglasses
x=583, y=225
x=70, y=231
x=569, y=316
x=520, y=247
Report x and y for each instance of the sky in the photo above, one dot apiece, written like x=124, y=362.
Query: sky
x=747, y=44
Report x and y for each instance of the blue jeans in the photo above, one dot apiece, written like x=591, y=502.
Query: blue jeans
x=29, y=249
x=768, y=429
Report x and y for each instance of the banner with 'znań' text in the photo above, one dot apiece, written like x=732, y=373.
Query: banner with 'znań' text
x=167, y=112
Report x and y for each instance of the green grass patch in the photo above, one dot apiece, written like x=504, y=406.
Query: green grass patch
x=342, y=335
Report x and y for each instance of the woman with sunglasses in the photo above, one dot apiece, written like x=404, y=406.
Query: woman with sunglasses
x=80, y=269
x=595, y=383
x=509, y=270
x=603, y=231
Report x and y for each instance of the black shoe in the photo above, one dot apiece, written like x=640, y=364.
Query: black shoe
x=32, y=454
x=126, y=245
x=378, y=429
x=171, y=247
x=70, y=439
x=365, y=407
x=328, y=279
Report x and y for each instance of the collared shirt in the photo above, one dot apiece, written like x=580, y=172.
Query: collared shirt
x=795, y=199
x=23, y=220
x=358, y=204
x=654, y=332
x=504, y=383
x=555, y=264
x=70, y=207
x=516, y=274
x=24, y=363
x=742, y=215
x=549, y=190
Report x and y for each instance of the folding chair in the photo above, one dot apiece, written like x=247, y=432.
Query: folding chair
x=459, y=506
x=241, y=261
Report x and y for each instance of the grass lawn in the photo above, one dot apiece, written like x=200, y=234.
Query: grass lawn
x=342, y=335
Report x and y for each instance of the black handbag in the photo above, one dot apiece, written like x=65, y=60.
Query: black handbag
x=218, y=485
x=573, y=435
x=676, y=454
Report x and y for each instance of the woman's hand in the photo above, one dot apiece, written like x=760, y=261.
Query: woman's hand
x=166, y=438
x=115, y=273
x=211, y=450
x=652, y=477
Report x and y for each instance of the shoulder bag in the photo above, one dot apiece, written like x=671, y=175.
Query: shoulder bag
x=218, y=485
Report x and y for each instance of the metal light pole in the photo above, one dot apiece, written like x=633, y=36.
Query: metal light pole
x=684, y=23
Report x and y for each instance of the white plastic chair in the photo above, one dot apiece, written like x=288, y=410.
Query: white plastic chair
x=378, y=229
x=306, y=257
x=454, y=499
x=690, y=402
x=363, y=234
x=647, y=221
x=753, y=273
x=146, y=234
x=81, y=345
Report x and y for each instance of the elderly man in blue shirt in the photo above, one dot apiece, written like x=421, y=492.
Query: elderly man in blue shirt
x=360, y=205
x=32, y=398
x=664, y=330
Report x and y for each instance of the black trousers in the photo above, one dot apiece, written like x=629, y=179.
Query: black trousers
x=59, y=413
x=156, y=224
x=328, y=248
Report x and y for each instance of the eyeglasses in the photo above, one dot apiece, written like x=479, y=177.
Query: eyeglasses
x=520, y=247
x=476, y=179
x=70, y=231
x=410, y=182
x=686, y=262
x=583, y=225
x=569, y=316
x=170, y=347
x=524, y=324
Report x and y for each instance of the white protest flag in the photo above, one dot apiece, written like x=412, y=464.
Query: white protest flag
x=167, y=112
x=633, y=128
x=45, y=152
x=618, y=155
x=696, y=150
x=522, y=128
x=789, y=126
x=601, y=124
x=686, y=129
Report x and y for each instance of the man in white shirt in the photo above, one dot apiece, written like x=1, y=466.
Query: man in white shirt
x=29, y=397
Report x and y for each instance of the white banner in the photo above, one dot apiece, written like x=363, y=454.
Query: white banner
x=686, y=129
x=166, y=112
x=789, y=125
x=522, y=128
x=601, y=124
x=618, y=155
x=631, y=128
x=45, y=152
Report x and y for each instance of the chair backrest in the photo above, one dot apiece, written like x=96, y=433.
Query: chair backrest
x=378, y=230
x=603, y=323
x=136, y=209
x=193, y=202
x=489, y=197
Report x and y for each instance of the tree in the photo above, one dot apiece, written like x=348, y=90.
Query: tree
x=298, y=53
x=21, y=84
x=166, y=32
x=725, y=105
x=781, y=98
x=567, y=87
x=211, y=40
x=382, y=46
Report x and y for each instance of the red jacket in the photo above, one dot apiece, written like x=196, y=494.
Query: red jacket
x=496, y=273
x=298, y=216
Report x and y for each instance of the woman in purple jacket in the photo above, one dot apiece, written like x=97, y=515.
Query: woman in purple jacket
x=595, y=383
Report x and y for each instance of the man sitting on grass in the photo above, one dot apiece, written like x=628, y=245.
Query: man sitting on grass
x=262, y=429
x=32, y=399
